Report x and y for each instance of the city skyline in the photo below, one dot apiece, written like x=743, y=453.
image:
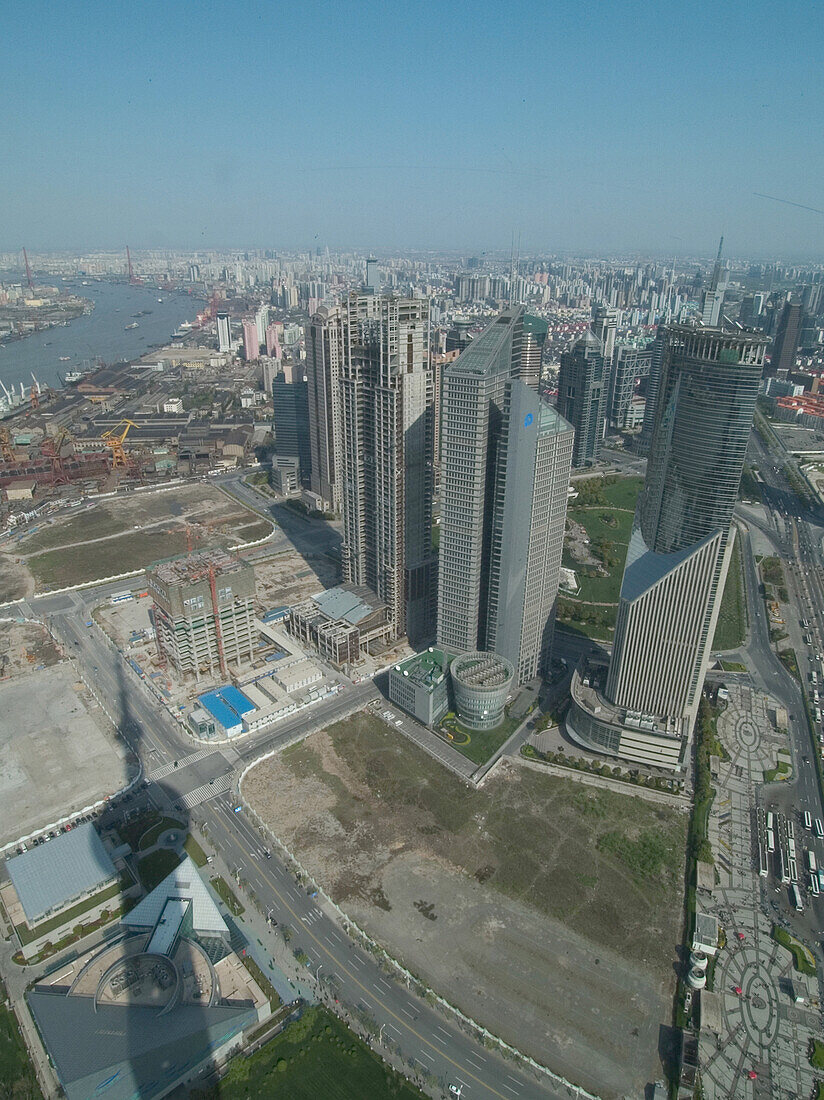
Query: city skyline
x=512, y=148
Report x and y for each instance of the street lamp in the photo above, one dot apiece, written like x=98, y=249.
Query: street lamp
x=317, y=973
x=380, y=1034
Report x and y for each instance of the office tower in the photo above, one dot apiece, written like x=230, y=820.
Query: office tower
x=605, y=327
x=785, y=346
x=714, y=297
x=679, y=550
x=459, y=336
x=290, y=399
x=533, y=339
x=326, y=340
x=251, y=348
x=224, y=332
x=657, y=356
x=582, y=396
x=261, y=322
x=387, y=482
x=505, y=462
x=373, y=278
x=204, y=612
x=629, y=366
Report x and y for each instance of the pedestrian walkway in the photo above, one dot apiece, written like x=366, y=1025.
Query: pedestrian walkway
x=167, y=769
x=208, y=790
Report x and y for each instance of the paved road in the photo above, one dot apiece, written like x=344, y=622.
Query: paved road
x=431, y=1038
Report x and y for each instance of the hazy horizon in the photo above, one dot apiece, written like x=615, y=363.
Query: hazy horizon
x=637, y=128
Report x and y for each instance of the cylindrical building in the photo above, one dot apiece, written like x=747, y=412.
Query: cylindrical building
x=481, y=683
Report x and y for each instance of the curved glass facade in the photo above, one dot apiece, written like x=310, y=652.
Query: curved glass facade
x=481, y=683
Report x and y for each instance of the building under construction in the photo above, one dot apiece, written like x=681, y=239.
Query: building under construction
x=204, y=612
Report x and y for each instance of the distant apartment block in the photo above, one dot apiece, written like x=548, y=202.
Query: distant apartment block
x=582, y=393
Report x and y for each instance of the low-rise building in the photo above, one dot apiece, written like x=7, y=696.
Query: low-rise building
x=421, y=685
x=341, y=623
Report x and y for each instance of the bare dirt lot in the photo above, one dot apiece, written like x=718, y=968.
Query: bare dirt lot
x=56, y=758
x=125, y=533
x=25, y=647
x=546, y=910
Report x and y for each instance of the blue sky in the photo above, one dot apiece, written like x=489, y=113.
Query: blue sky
x=599, y=127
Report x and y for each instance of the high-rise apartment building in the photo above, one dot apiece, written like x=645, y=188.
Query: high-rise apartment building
x=679, y=550
x=533, y=338
x=204, y=612
x=505, y=463
x=387, y=474
x=785, y=346
x=251, y=348
x=261, y=323
x=224, y=332
x=582, y=394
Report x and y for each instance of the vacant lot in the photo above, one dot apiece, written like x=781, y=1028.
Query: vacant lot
x=25, y=647
x=131, y=531
x=55, y=758
x=545, y=909
x=732, y=615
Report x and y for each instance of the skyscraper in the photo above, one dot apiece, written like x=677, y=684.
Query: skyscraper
x=785, y=347
x=251, y=348
x=714, y=297
x=533, y=339
x=373, y=278
x=679, y=550
x=505, y=462
x=605, y=327
x=290, y=416
x=326, y=341
x=629, y=364
x=224, y=332
x=387, y=477
x=582, y=387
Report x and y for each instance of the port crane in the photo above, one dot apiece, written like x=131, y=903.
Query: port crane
x=114, y=438
x=29, y=279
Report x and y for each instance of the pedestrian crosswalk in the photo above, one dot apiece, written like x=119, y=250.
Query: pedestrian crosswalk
x=209, y=790
x=167, y=769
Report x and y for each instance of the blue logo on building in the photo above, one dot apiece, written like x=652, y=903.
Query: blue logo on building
x=527, y=420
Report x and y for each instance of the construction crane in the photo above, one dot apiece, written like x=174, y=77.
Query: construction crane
x=114, y=438
x=133, y=279
x=28, y=271
x=34, y=395
x=52, y=449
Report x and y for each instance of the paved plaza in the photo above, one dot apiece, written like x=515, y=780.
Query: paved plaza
x=766, y=1029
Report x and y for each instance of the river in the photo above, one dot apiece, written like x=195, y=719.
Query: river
x=99, y=334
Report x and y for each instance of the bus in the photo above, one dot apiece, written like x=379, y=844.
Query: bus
x=762, y=860
x=819, y=828
x=791, y=852
x=793, y=871
x=770, y=821
x=814, y=887
x=781, y=866
x=790, y=828
x=808, y=820
x=795, y=894
x=811, y=866
x=770, y=840
x=120, y=597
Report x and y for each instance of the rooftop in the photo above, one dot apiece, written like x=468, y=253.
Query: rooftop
x=426, y=669
x=191, y=567
x=52, y=874
x=352, y=603
x=183, y=884
x=226, y=704
x=485, y=670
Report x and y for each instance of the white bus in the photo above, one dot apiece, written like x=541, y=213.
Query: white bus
x=120, y=597
x=762, y=860
x=808, y=820
x=791, y=852
x=793, y=871
x=819, y=828
x=795, y=894
x=783, y=876
x=814, y=888
x=790, y=828
x=770, y=820
x=811, y=865
x=770, y=840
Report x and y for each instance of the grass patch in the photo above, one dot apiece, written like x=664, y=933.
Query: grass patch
x=733, y=666
x=315, y=1056
x=482, y=743
x=151, y=835
x=789, y=660
x=194, y=851
x=803, y=961
x=266, y=987
x=17, y=1076
x=131, y=831
x=731, y=628
x=156, y=866
x=816, y=1054
x=596, y=622
x=771, y=571
x=79, y=564
x=227, y=895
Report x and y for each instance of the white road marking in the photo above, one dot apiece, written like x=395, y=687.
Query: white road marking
x=406, y=1012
